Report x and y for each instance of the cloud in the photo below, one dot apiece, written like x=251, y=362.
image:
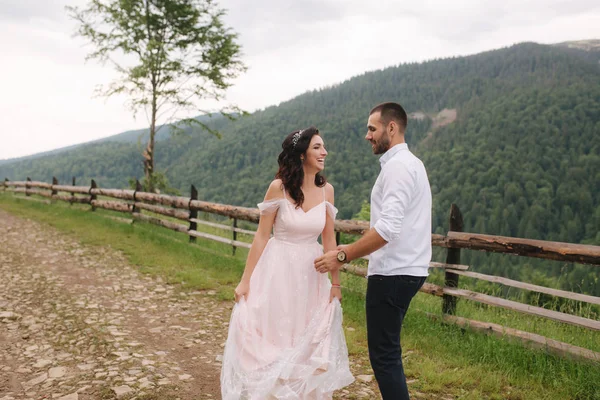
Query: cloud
x=464, y=20
x=290, y=46
x=27, y=10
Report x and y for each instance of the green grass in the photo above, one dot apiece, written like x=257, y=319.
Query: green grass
x=443, y=359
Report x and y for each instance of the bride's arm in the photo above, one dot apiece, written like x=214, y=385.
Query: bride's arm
x=263, y=234
x=328, y=234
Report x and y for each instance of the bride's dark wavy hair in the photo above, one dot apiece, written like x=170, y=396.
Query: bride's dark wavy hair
x=290, y=171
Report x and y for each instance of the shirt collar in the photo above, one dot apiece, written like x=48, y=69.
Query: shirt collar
x=387, y=156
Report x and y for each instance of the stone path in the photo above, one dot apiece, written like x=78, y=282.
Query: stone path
x=79, y=323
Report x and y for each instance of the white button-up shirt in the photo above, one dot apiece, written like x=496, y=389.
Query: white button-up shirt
x=401, y=214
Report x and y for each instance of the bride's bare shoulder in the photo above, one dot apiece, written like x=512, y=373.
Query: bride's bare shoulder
x=329, y=192
x=275, y=190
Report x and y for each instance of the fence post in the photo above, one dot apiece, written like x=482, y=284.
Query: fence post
x=27, y=187
x=72, y=193
x=4, y=185
x=338, y=237
x=134, y=209
x=93, y=196
x=193, y=213
x=234, y=235
x=452, y=257
x=54, y=182
x=52, y=191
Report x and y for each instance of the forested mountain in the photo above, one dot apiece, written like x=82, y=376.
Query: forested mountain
x=136, y=136
x=521, y=159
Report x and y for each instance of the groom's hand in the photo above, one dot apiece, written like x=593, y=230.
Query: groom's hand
x=328, y=262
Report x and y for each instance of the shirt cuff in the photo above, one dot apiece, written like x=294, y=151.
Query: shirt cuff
x=385, y=231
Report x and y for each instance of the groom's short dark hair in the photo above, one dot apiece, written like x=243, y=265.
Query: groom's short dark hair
x=392, y=111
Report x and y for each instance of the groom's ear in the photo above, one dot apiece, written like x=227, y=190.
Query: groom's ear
x=392, y=127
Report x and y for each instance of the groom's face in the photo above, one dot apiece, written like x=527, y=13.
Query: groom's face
x=377, y=134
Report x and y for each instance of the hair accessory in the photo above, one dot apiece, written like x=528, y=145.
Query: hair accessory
x=296, y=137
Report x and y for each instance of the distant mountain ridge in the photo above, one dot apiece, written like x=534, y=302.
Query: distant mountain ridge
x=130, y=136
x=591, y=45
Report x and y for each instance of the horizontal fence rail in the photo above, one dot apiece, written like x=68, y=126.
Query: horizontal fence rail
x=531, y=339
x=528, y=286
x=185, y=209
x=568, y=252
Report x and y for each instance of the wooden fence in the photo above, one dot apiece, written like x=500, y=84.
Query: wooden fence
x=185, y=209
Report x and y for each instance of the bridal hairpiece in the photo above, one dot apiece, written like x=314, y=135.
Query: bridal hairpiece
x=296, y=137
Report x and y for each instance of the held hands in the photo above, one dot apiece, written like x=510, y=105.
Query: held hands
x=329, y=262
x=242, y=289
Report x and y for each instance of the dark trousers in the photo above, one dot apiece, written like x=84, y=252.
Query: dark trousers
x=388, y=298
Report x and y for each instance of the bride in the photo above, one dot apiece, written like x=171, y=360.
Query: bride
x=285, y=337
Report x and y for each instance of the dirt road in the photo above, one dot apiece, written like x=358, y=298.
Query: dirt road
x=79, y=323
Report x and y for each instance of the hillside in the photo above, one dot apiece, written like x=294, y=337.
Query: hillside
x=134, y=136
x=522, y=157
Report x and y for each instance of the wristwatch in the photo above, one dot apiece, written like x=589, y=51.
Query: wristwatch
x=341, y=256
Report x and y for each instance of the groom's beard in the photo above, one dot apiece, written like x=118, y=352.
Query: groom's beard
x=382, y=145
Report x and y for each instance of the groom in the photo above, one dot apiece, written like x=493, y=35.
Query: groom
x=399, y=242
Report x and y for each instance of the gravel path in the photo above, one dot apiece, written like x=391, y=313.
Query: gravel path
x=79, y=322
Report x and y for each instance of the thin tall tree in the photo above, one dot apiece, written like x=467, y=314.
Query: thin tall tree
x=170, y=55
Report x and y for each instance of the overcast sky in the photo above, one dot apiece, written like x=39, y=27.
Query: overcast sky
x=290, y=46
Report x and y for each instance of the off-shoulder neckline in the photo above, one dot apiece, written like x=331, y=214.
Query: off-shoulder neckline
x=292, y=204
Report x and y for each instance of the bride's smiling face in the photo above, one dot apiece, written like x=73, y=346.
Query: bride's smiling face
x=314, y=158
